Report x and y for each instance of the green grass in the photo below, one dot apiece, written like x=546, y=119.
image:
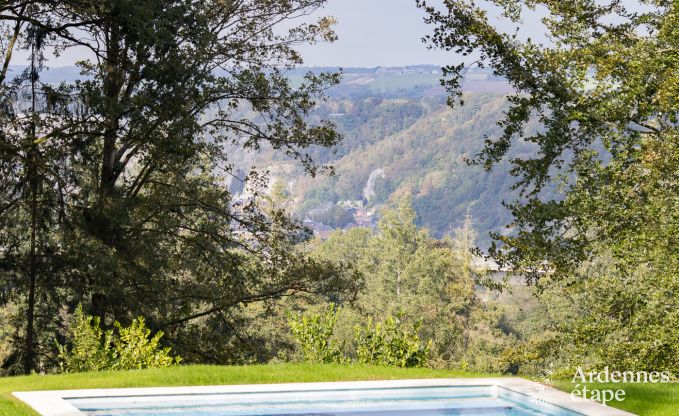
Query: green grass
x=642, y=399
x=204, y=375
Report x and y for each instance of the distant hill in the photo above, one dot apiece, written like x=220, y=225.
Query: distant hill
x=420, y=146
x=414, y=144
x=407, y=81
x=413, y=80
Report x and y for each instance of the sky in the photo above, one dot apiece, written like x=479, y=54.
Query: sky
x=371, y=33
x=389, y=33
x=375, y=33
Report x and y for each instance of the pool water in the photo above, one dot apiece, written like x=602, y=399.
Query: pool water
x=421, y=401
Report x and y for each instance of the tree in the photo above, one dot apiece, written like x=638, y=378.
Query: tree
x=411, y=275
x=31, y=173
x=604, y=91
x=391, y=252
x=142, y=223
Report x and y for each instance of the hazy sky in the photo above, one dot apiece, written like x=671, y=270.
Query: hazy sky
x=371, y=33
x=389, y=32
x=375, y=33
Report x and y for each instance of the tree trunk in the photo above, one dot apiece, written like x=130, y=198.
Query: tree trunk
x=112, y=87
x=29, y=357
x=104, y=231
x=10, y=49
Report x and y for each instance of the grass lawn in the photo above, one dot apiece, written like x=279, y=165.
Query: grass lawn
x=645, y=400
x=642, y=399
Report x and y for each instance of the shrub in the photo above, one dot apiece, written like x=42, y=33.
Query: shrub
x=313, y=333
x=91, y=346
x=135, y=349
x=93, y=349
x=387, y=343
x=391, y=345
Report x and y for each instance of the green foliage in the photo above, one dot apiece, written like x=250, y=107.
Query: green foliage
x=624, y=320
x=390, y=344
x=136, y=349
x=94, y=349
x=408, y=272
x=603, y=92
x=348, y=246
x=123, y=185
x=91, y=347
x=313, y=333
x=387, y=343
x=601, y=318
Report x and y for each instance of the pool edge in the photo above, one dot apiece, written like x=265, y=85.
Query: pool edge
x=53, y=402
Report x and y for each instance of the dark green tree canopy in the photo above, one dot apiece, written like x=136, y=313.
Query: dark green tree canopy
x=122, y=175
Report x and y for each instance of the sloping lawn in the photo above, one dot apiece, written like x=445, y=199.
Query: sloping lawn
x=645, y=400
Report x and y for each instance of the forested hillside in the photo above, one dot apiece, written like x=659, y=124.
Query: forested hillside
x=416, y=145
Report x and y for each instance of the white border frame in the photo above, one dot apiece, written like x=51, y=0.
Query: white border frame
x=53, y=403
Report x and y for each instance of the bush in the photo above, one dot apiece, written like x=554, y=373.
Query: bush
x=391, y=345
x=93, y=349
x=135, y=349
x=313, y=334
x=387, y=343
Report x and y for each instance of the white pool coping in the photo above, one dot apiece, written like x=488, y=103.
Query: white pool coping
x=54, y=402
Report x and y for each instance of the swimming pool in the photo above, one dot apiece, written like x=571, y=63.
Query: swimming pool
x=488, y=397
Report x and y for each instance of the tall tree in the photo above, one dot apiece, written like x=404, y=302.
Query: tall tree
x=604, y=88
x=145, y=222
x=31, y=172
